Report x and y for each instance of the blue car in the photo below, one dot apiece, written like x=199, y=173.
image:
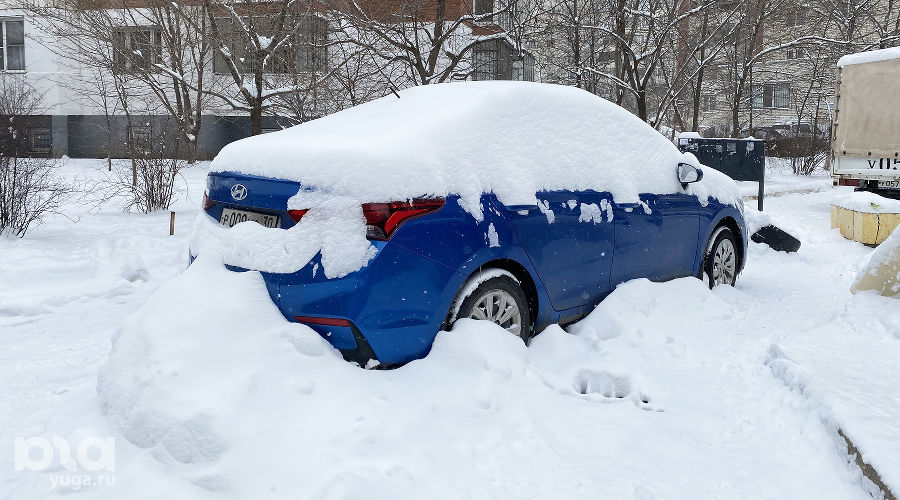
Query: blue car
x=434, y=263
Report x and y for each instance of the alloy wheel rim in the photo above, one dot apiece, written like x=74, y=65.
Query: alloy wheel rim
x=499, y=307
x=724, y=263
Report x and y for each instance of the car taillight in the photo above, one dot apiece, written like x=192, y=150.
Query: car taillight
x=207, y=203
x=382, y=219
x=297, y=214
x=848, y=182
x=313, y=320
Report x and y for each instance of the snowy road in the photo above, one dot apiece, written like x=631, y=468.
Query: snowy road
x=665, y=391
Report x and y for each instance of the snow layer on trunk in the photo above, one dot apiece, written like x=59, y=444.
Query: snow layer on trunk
x=510, y=138
x=335, y=227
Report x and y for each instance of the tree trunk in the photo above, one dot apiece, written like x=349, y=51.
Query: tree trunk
x=577, y=38
x=256, y=120
x=734, y=122
x=642, y=104
x=695, y=120
x=192, y=151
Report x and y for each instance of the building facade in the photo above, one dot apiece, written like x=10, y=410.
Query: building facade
x=94, y=106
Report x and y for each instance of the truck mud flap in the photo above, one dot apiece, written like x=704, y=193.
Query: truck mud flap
x=776, y=238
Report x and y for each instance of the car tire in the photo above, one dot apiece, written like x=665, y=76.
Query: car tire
x=486, y=300
x=720, y=264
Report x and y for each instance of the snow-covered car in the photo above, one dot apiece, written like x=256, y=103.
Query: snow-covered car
x=519, y=203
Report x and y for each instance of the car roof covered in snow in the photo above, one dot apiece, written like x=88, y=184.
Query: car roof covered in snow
x=510, y=138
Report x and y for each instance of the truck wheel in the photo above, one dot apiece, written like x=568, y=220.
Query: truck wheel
x=502, y=301
x=721, y=263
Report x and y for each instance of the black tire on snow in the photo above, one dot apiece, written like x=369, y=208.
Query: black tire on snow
x=504, y=284
x=708, y=258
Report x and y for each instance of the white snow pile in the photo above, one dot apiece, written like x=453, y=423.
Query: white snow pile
x=335, y=227
x=756, y=220
x=868, y=202
x=510, y=138
x=689, y=135
x=870, y=56
x=650, y=397
x=847, y=367
x=882, y=272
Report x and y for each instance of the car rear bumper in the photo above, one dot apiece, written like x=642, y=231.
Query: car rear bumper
x=395, y=305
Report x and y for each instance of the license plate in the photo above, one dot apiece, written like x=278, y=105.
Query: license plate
x=889, y=184
x=230, y=217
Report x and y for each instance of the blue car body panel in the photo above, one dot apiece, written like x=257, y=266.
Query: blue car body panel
x=576, y=253
x=645, y=233
x=398, y=302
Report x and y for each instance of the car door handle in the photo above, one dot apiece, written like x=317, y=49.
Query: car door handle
x=628, y=207
x=521, y=208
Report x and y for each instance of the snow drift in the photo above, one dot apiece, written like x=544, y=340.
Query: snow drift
x=882, y=272
x=639, y=402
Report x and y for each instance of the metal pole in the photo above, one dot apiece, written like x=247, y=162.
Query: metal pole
x=172, y=222
x=762, y=189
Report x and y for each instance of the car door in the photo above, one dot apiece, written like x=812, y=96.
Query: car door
x=569, y=239
x=655, y=239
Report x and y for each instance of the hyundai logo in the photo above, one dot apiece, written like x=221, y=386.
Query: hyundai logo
x=238, y=192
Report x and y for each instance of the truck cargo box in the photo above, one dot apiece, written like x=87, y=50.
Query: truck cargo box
x=865, y=138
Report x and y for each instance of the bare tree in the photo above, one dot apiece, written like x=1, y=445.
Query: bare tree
x=355, y=80
x=429, y=40
x=158, y=50
x=640, y=54
x=29, y=188
x=270, y=50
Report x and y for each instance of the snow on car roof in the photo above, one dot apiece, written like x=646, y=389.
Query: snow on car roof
x=510, y=138
x=870, y=56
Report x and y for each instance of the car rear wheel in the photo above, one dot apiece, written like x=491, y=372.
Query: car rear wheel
x=500, y=300
x=720, y=264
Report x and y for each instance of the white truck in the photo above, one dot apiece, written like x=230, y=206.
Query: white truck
x=865, y=131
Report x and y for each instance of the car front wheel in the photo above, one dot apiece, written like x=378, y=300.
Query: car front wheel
x=720, y=264
x=501, y=301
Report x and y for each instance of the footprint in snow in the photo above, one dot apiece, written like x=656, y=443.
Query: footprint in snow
x=606, y=387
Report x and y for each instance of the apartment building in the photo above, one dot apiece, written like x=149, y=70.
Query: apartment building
x=80, y=116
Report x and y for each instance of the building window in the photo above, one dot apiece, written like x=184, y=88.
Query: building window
x=311, y=47
x=708, y=101
x=775, y=95
x=485, y=62
x=498, y=60
x=523, y=68
x=136, y=48
x=796, y=19
x=12, y=44
x=305, y=51
x=139, y=138
x=483, y=8
x=40, y=140
x=797, y=53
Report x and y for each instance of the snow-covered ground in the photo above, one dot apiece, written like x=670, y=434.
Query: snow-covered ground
x=781, y=180
x=665, y=391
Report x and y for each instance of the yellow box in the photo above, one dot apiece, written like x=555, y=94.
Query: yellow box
x=864, y=227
